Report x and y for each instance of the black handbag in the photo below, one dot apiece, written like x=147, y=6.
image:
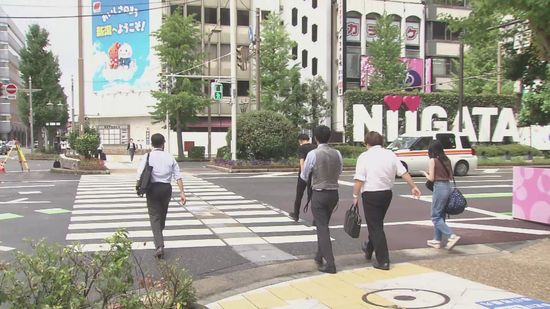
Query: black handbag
x=430, y=185
x=144, y=182
x=352, y=223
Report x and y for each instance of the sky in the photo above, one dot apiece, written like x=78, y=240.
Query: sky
x=63, y=32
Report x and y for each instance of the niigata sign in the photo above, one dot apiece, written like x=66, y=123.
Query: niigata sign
x=434, y=118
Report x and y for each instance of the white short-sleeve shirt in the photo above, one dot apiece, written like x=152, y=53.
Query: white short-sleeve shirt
x=377, y=168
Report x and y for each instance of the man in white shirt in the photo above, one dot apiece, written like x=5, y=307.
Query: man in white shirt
x=159, y=195
x=375, y=173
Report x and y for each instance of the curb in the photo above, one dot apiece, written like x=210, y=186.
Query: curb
x=78, y=172
x=215, y=288
x=260, y=170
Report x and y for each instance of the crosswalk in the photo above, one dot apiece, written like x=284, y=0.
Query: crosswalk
x=212, y=217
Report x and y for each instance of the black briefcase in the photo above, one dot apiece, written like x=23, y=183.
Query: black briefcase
x=352, y=223
x=144, y=182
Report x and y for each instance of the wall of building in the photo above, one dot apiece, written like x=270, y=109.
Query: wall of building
x=11, y=42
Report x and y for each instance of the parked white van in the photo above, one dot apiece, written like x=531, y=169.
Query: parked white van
x=412, y=150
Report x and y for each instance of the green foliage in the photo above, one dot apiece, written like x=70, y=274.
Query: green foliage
x=73, y=136
x=86, y=144
x=389, y=72
x=349, y=151
x=179, y=40
x=265, y=135
x=317, y=106
x=500, y=150
x=535, y=107
x=224, y=153
x=282, y=90
x=197, y=152
x=447, y=100
x=55, y=276
x=38, y=62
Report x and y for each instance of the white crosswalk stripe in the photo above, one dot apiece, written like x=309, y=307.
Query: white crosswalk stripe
x=212, y=217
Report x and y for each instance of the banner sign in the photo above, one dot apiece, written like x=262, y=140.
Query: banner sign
x=120, y=37
x=353, y=29
x=412, y=33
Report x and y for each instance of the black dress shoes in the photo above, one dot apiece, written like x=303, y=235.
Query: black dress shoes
x=294, y=216
x=368, y=254
x=327, y=269
x=383, y=266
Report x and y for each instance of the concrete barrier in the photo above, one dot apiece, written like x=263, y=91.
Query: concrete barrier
x=69, y=163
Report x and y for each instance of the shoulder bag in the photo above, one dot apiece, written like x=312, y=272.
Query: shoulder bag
x=457, y=202
x=144, y=182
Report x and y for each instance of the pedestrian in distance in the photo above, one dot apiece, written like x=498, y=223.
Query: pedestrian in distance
x=131, y=148
x=440, y=172
x=165, y=168
x=375, y=173
x=325, y=166
x=301, y=185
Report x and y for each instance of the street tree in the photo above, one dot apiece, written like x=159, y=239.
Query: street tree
x=282, y=90
x=389, y=72
x=178, y=39
x=318, y=105
x=39, y=63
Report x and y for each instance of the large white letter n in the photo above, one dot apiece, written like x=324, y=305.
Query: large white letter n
x=362, y=119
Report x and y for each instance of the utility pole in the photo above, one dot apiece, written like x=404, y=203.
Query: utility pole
x=31, y=117
x=167, y=90
x=72, y=104
x=257, y=41
x=233, y=47
x=461, y=81
x=80, y=69
x=209, y=89
x=499, y=69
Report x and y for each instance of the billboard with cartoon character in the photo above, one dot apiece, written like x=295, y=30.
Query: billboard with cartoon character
x=120, y=37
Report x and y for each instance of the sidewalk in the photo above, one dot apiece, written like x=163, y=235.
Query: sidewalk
x=122, y=164
x=475, y=277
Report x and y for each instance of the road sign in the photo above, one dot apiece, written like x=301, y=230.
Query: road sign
x=11, y=89
x=216, y=91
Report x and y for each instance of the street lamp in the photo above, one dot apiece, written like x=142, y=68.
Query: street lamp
x=243, y=105
x=212, y=31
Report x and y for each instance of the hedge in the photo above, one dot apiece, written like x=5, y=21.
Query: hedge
x=501, y=150
x=349, y=151
x=447, y=100
x=196, y=152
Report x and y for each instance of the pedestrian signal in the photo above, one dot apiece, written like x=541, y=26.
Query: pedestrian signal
x=216, y=91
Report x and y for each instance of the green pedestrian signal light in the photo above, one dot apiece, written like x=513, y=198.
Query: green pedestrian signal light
x=216, y=91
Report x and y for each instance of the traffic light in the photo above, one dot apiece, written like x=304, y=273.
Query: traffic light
x=242, y=56
x=216, y=91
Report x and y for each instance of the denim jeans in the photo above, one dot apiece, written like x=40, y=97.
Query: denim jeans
x=442, y=190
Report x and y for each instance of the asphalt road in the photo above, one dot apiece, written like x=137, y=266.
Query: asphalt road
x=232, y=221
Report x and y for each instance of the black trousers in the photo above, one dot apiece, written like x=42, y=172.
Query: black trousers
x=158, y=198
x=301, y=186
x=132, y=153
x=322, y=206
x=375, y=206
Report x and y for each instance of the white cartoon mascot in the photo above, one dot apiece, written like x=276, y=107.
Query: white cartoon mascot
x=125, y=55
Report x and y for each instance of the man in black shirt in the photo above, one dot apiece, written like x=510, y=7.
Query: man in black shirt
x=303, y=150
